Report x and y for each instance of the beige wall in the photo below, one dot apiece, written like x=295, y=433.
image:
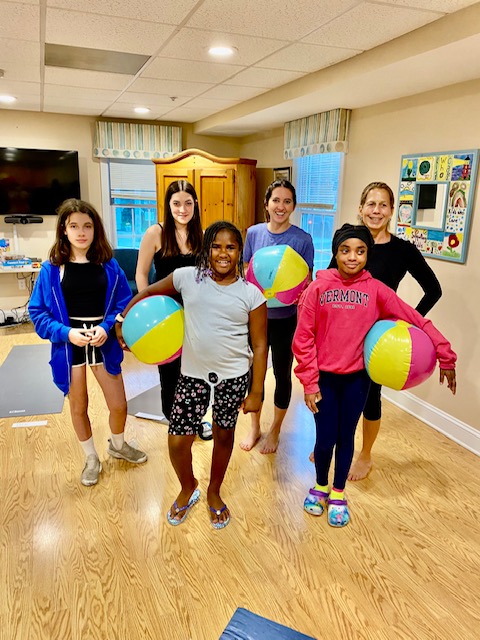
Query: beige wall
x=53, y=131
x=442, y=120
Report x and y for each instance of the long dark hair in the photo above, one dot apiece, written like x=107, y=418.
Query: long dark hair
x=194, y=228
x=268, y=194
x=100, y=250
x=203, y=259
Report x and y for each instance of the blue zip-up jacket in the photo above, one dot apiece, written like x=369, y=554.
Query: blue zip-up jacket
x=48, y=313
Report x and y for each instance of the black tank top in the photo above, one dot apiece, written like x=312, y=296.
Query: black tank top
x=165, y=265
x=84, y=286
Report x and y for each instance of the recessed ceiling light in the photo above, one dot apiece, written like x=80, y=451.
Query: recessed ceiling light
x=7, y=99
x=221, y=52
x=141, y=110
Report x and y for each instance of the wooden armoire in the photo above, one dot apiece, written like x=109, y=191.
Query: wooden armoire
x=225, y=186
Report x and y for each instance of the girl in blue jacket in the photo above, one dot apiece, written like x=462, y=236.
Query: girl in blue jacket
x=75, y=301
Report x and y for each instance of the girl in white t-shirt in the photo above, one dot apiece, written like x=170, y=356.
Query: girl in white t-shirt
x=221, y=311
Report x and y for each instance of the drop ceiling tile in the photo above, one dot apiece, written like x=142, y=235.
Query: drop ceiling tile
x=18, y=88
x=77, y=108
x=193, y=44
x=152, y=10
x=307, y=57
x=84, y=78
x=135, y=99
x=233, y=92
x=169, y=87
x=20, y=62
x=79, y=93
x=354, y=29
x=126, y=111
x=264, y=78
x=20, y=21
x=24, y=103
x=24, y=53
x=187, y=114
x=268, y=18
x=446, y=6
x=106, y=33
x=169, y=69
x=211, y=105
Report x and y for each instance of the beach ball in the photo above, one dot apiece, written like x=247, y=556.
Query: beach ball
x=153, y=329
x=398, y=354
x=280, y=273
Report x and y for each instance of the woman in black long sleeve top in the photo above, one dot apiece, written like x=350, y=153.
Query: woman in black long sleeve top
x=389, y=261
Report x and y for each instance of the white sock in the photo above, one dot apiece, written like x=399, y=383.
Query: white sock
x=89, y=447
x=117, y=440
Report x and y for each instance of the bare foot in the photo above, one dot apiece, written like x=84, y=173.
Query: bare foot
x=360, y=469
x=250, y=441
x=270, y=443
x=311, y=457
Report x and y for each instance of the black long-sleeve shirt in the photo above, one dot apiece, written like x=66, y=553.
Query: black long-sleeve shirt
x=391, y=261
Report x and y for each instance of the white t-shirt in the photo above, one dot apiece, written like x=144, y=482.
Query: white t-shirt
x=216, y=325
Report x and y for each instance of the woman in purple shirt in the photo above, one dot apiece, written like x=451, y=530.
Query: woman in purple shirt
x=280, y=201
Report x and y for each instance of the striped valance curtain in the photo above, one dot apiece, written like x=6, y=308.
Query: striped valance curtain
x=129, y=141
x=325, y=132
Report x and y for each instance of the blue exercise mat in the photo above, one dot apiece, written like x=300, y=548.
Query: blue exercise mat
x=246, y=625
x=26, y=383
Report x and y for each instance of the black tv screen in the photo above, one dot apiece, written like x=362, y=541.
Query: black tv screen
x=36, y=181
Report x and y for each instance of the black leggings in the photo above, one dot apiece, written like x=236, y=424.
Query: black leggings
x=343, y=399
x=280, y=337
x=169, y=375
x=373, y=406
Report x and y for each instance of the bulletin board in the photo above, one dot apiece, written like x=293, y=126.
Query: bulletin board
x=435, y=202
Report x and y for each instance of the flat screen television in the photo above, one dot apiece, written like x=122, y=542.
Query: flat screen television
x=34, y=182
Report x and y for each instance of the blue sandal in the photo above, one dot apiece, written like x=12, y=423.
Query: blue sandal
x=218, y=512
x=315, y=502
x=194, y=498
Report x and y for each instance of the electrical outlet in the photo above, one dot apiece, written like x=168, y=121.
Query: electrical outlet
x=21, y=284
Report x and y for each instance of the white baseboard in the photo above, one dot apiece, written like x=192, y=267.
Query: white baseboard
x=458, y=431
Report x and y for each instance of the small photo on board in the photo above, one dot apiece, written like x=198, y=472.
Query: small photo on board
x=283, y=173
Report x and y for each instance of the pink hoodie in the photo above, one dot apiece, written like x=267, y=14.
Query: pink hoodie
x=334, y=316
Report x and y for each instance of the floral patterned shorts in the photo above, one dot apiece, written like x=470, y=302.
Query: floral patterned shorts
x=192, y=397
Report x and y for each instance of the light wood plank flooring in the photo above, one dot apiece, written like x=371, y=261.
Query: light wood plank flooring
x=102, y=562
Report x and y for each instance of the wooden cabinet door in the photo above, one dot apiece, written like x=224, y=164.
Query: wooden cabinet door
x=216, y=193
x=165, y=175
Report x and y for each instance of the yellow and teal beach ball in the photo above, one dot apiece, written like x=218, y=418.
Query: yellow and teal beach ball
x=153, y=329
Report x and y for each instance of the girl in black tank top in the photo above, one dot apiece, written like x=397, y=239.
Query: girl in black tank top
x=170, y=246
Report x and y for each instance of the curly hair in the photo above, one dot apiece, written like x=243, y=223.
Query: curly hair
x=203, y=259
x=100, y=250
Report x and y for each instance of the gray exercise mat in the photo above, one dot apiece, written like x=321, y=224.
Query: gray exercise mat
x=26, y=383
x=147, y=405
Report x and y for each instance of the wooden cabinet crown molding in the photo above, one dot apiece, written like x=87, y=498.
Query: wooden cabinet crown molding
x=188, y=153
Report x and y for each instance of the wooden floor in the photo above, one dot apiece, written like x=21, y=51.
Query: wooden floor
x=102, y=562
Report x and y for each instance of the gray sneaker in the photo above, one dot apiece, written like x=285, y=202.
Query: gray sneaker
x=91, y=470
x=127, y=453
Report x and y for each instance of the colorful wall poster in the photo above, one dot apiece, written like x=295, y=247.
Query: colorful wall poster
x=448, y=237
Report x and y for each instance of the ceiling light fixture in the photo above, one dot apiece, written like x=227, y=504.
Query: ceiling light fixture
x=141, y=110
x=7, y=99
x=221, y=52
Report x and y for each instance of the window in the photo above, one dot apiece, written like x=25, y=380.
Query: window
x=317, y=180
x=133, y=201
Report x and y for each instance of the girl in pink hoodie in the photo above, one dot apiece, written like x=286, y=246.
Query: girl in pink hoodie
x=335, y=314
